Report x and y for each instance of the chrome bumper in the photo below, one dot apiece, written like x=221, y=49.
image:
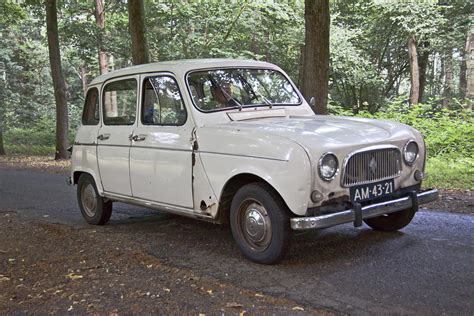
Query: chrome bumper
x=358, y=213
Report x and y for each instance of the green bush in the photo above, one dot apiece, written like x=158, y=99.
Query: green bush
x=448, y=173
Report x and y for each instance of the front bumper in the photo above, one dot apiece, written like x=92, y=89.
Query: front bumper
x=358, y=213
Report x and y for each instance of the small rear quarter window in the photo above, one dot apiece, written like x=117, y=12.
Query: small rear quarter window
x=90, y=114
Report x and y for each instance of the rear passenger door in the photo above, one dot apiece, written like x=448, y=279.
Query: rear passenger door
x=161, y=150
x=119, y=119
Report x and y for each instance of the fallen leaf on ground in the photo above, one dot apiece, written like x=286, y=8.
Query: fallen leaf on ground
x=233, y=305
x=73, y=276
x=4, y=278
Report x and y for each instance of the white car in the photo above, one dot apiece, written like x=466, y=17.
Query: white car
x=235, y=141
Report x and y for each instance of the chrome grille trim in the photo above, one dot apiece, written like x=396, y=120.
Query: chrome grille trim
x=356, y=171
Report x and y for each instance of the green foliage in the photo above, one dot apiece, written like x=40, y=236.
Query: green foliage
x=450, y=173
x=446, y=131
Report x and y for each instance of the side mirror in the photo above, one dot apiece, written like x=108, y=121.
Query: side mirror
x=312, y=102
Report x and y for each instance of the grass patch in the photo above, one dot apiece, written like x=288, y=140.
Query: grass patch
x=445, y=172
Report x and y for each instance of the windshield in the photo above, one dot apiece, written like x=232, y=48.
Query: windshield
x=214, y=90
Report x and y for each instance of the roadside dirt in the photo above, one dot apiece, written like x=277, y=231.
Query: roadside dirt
x=54, y=269
x=457, y=201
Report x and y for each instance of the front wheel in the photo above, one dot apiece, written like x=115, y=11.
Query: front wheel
x=391, y=222
x=94, y=208
x=260, y=223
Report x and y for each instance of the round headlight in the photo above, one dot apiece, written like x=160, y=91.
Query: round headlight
x=328, y=166
x=410, y=152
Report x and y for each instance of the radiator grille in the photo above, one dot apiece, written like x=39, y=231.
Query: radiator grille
x=371, y=166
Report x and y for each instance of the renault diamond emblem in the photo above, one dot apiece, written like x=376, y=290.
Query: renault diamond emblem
x=373, y=165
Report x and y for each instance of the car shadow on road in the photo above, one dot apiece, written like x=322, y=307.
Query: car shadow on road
x=192, y=241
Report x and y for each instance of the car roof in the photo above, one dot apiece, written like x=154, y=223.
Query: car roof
x=181, y=66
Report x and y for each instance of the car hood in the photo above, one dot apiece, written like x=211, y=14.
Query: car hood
x=329, y=131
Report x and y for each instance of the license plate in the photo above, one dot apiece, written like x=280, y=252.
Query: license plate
x=371, y=191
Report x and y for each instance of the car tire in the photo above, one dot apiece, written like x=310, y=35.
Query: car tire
x=95, y=209
x=391, y=222
x=260, y=223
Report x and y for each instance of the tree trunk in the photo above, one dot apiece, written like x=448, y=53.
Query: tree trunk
x=2, y=149
x=58, y=80
x=136, y=25
x=414, y=71
x=423, y=63
x=462, y=77
x=100, y=22
x=316, y=54
x=83, y=75
x=470, y=64
x=448, y=81
x=301, y=68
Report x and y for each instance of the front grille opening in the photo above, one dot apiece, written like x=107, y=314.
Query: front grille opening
x=371, y=166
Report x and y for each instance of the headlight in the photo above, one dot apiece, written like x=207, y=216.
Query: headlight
x=328, y=166
x=410, y=152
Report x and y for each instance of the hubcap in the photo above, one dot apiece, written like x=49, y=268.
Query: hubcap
x=255, y=225
x=89, y=200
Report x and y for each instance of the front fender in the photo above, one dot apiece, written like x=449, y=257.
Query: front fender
x=281, y=162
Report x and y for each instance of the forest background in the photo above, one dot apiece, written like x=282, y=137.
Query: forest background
x=371, y=65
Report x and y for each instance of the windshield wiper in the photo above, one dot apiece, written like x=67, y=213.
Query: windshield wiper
x=226, y=95
x=256, y=94
x=231, y=98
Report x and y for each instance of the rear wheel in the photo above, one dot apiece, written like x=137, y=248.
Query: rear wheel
x=391, y=222
x=94, y=208
x=260, y=223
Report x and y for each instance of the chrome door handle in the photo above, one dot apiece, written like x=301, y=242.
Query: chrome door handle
x=138, y=138
x=103, y=136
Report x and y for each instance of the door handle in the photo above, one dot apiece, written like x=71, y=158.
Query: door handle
x=138, y=138
x=103, y=136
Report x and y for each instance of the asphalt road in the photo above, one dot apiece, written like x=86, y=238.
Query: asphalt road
x=427, y=268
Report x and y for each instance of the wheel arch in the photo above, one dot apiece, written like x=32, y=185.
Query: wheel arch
x=77, y=174
x=231, y=187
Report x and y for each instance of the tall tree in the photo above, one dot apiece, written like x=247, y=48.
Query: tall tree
x=423, y=61
x=316, y=54
x=58, y=80
x=414, y=70
x=136, y=25
x=100, y=22
x=470, y=64
x=2, y=96
x=2, y=148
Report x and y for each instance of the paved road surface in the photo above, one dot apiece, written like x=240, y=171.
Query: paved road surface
x=428, y=268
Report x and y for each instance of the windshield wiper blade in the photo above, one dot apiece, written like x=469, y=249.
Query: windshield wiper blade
x=256, y=94
x=231, y=98
x=226, y=95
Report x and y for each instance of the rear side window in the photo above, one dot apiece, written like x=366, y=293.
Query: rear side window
x=120, y=102
x=90, y=115
x=162, y=103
